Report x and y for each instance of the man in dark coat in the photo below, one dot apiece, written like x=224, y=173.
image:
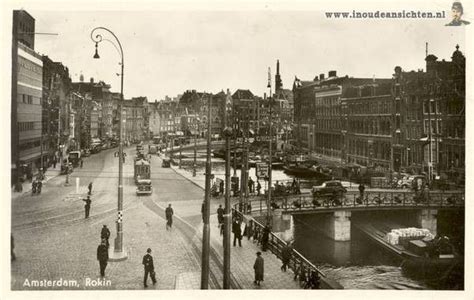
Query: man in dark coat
x=87, y=206
x=237, y=231
x=258, y=268
x=169, y=216
x=221, y=187
x=105, y=234
x=149, y=267
x=220, y=215
x=265, y=237
x=361, y=191
x=90, y=188
x=102, y=257
x=286, y=256
x=259, y=187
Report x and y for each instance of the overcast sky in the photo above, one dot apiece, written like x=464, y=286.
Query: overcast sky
x=168, y=52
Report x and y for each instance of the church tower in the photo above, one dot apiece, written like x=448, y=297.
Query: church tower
x=278, y=83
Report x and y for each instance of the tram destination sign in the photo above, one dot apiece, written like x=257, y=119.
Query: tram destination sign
x=261, y=170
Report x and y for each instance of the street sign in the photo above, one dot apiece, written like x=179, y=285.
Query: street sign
x=261, y=170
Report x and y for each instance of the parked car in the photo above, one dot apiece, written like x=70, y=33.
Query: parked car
x=166, y=163
x=333, y=188
x=411, y=181
x=86, y=153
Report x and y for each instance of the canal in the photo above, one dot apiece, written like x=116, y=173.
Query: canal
x=358, y=264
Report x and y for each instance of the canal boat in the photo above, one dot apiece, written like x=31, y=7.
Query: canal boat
x=417, y=257
x=307, y=169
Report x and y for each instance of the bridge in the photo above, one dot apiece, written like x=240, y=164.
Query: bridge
x=335, y=219
x=372, y=200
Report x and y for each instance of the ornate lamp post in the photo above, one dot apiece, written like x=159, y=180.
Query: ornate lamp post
x=119, y=253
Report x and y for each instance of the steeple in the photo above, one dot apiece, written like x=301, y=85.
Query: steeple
x=278, y=83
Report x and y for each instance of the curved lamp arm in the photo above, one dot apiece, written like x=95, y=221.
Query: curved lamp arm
x=97, y=38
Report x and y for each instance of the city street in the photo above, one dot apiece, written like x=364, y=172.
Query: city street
x=53, y=241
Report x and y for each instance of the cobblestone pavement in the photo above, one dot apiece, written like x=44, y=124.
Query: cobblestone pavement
x=242, y=258
x=66, y=250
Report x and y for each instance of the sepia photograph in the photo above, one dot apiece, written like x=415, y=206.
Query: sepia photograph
x=267, y=146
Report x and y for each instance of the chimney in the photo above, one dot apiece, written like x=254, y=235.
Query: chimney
x=321, y=76
x=332, y=74
x=92, y=79
x=316, y=78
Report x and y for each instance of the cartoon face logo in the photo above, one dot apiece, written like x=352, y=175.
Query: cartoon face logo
x=457, y=12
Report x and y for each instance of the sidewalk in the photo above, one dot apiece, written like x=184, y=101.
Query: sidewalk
x=48, y=175
x=243, y=258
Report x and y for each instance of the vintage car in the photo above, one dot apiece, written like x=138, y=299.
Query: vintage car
x=333, y=188
x=75, y=158
x=166, y=163
x=144, y=187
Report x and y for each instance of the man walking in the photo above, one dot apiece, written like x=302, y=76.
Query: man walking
x=220, y=215
x=102, y=256
x=258, y=268
x=265, y=237
x=169, y=217
x=87, y=206
x=90, y=188
x=259, y=187
x=105, y=234
x=286, y=256
x=237, y=231
x=361, y=192
x=149, y=267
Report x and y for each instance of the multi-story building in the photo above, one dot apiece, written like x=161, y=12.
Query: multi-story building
x=430, y=118
x=28, y=148
x=367, y=125
x=246, y=110
x=56, y=89
x=318, y=112
x=136, y=119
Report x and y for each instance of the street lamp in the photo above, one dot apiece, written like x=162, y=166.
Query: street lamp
x=118, y=253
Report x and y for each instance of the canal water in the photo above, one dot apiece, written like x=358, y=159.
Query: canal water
x=358, y=264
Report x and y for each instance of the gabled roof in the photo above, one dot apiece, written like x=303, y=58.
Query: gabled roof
x=242, y=94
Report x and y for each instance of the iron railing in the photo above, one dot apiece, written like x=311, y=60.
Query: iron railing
x=297, y=260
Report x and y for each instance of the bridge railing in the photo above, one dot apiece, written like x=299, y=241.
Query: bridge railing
x=297, y=260
x=351, y=200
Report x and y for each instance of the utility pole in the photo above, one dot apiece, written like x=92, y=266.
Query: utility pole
x=227, y=212
x=207, y=205
x=269, y=199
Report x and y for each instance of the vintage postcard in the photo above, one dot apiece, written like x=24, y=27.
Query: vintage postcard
x=159, y=148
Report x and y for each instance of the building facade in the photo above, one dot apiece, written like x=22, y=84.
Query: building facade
x=28, y=148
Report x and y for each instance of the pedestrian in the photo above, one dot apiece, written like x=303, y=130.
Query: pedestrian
x=258, y=268
x=89, y=187
x=102, y=256
x=39, y=186
x=313, y=282
x=237, y=231
x=286, y=253
x=250, y=185
x=34, y=184
x=259, y=187
x=149, y=268
x=249, y=230
x=265, y=237
x=55, y=161
x=220, y=215
x=169, y=217
x=87, y=206
x=221, y=187
x=361, y=191
x=105, y=234
x=12, y=247
x=82, y=162
x=256, y=235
